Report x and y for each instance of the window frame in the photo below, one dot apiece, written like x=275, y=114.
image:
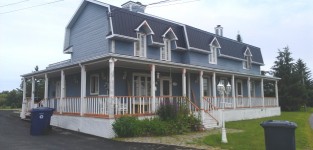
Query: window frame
x=213, y=55
x=137, y=44
x=91, y=86
x=166, y=50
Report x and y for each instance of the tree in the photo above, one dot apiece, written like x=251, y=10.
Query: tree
x=39, y=87
x=293, y=89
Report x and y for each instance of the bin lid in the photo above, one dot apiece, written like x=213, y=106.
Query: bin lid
x=42, y=109
x=279, y=123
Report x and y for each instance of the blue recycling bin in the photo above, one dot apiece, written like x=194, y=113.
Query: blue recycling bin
x=40, y=120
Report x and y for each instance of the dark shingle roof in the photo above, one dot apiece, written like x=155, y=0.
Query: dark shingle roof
x=125, y=22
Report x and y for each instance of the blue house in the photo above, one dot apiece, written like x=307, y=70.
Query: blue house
x=124, y=61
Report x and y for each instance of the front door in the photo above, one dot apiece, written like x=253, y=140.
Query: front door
x=166, y=89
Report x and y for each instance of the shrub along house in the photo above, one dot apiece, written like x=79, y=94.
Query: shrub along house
x=124, y=61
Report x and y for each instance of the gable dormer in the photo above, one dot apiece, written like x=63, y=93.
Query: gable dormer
x=214, y=45
x=169, y=39
x=145, y=28
x=140, y=45
x=247, y=63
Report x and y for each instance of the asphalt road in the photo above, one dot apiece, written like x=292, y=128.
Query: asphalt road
x=15, y=135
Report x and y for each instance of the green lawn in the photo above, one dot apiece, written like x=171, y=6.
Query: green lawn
x=252, y=136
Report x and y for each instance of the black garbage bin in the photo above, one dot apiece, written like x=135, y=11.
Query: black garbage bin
x=279, y=135
x=40, y=120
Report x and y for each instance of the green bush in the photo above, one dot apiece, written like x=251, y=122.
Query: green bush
x=173, y=119
x=127, y=126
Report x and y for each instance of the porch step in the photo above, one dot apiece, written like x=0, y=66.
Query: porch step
x=210, y=122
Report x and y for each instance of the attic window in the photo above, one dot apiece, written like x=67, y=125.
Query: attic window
x=214, y=45
x=140, y=46
x=247, y=63
x=166, y=50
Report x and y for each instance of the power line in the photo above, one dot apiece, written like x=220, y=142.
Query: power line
x=30, y=7
x=175, y=3
x=14, y=3
x=161, y=2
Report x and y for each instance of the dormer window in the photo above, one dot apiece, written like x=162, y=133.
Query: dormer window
x=169, y=37
x=166, y=50
x=140, y=46
x=247, y=63
x=214, y=45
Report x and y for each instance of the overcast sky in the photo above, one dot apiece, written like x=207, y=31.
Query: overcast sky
x=35, y=36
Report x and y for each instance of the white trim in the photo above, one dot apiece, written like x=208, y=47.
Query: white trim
x=91, y=86
x=152, y=86
x=110, y=19
x=46, y=86
x=82, y=89
x=33, y=93
x=166, y=50
x=218, y=44
x=122, y=37
x=212, y=57
x=145, y=23
x=161, y=85
x=139, y=75
x=199, y=50
x=247, y=50
x=170, y=30
x=142, y=50
x=113, y=46
x=186, y=37
x=68, y=50
x=227, y=56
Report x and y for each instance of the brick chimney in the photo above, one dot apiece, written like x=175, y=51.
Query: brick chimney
x=134, y=6
x=219, y=30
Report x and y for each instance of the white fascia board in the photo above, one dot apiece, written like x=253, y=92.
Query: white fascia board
x=186, y=37
x=199, y=50
x=170, y=30
x=235, y=58
x=215, y=39
x=145, y=23
x=121, y=36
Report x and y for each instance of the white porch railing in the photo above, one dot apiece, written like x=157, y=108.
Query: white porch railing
x=209, y=104
x=71, y=105
x=228, y=102
x=52, y=103
x=270, y=101
x=256, y=102
x=97, y=105
x=242, y=102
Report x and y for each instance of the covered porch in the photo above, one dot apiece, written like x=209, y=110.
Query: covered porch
x=112, y=87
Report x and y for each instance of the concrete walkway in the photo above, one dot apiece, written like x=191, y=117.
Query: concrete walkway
x=15, y=135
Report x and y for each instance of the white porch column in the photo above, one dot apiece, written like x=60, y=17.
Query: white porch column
x=276, y=93
x=111, y=87
x=201, y=95
x=22, y=115
x=189, y=91
x=153, y=87
x=33, y=93
x=214, y=87
x=82, y=89
x=62, y=91
x=46, y=89
x=233, y=90
x=262, y=91
x=184, y=92
x=249, y=91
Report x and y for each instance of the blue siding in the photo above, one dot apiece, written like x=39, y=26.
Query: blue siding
x=153, y=53
x=52, y=87
x=201, y=59
x=88, y=34
x=177, y=56
x=124, y=47
x=73, y=85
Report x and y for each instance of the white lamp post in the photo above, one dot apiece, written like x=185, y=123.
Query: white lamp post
x=222, y=91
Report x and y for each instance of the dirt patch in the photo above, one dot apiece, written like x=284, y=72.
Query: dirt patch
x=186, y=140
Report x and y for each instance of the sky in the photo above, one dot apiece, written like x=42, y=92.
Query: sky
x=35, y=36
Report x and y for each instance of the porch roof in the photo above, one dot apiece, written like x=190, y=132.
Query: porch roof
x=138, y=60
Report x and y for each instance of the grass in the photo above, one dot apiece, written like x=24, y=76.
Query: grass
x=252, y=136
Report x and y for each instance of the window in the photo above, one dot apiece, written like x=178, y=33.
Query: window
x=252, y=88
x=140, y=45
x=206, y=86
x=239, y=88
x=213, y=55
x=141, y=85
x=94, y=84
x=247, y=63
x=166, y=50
